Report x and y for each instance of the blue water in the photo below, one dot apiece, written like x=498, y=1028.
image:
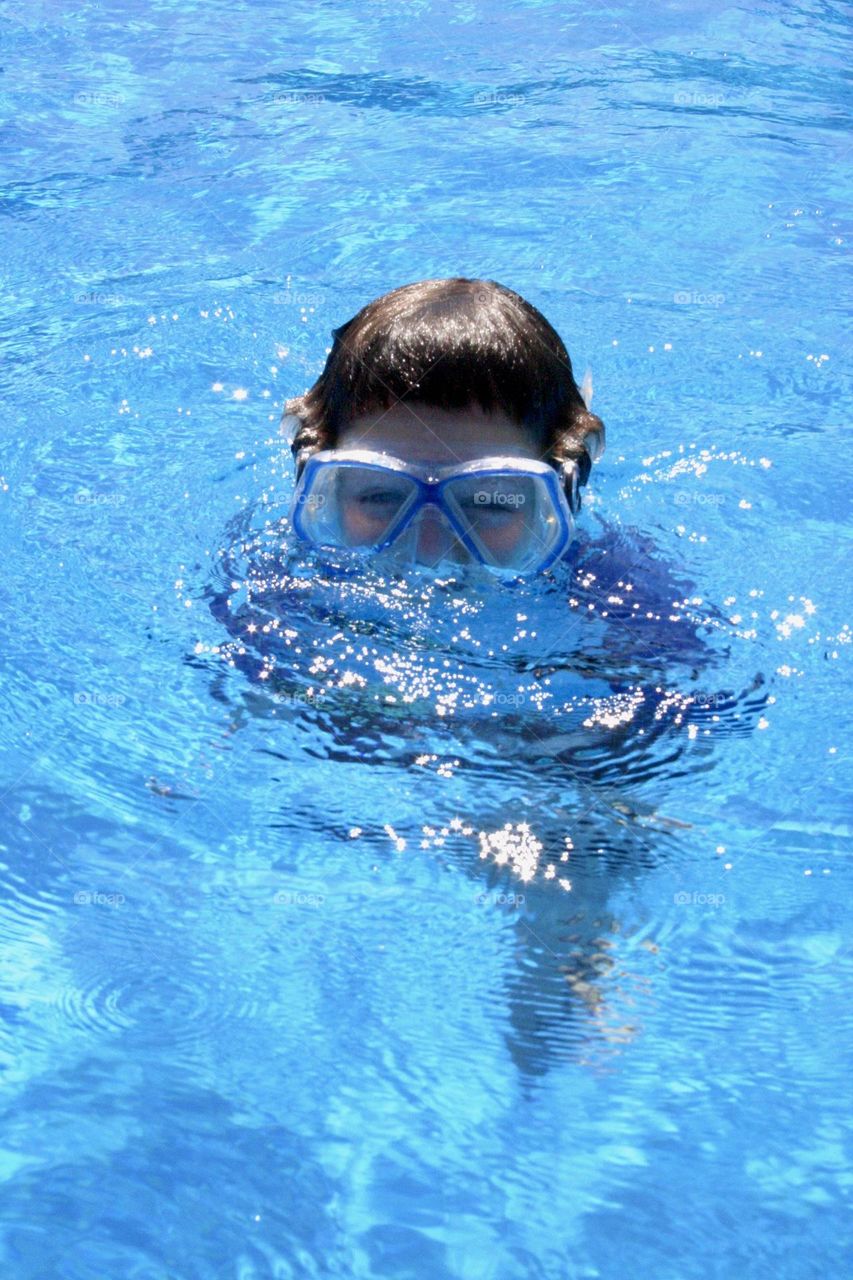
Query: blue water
x=355, y=928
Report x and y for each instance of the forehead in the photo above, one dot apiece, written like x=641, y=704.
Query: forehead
x=423, y=433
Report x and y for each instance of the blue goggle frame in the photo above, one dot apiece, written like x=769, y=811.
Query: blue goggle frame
x=430, y=481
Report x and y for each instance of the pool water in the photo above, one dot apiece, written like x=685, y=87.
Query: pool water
x=357, y=926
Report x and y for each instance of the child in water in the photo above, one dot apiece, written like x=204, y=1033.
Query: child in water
x=447, y=432
x=446, y=429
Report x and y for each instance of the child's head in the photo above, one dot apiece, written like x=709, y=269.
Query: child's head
x=450, y=346
x=445, y=373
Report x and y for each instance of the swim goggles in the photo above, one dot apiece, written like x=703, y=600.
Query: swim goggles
x=513, y=515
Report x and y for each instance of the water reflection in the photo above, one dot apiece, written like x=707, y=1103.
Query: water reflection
x=559, y=713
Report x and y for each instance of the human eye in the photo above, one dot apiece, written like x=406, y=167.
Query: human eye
x=486, y=508
x=380, y=498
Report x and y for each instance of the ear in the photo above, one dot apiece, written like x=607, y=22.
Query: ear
x=594, y=441
x=290, y=424
x=586, y=388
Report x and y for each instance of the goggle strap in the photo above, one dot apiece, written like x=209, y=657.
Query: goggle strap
x=571, y=485
x=302, y=457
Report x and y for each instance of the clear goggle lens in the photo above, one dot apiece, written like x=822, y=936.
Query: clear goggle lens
x=509, y=514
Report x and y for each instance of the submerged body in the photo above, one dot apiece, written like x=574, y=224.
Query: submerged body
x=433, y=607
x=588, y=655
x=532, y=733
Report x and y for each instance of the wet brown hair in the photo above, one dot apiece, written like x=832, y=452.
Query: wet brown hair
x=450, y=343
